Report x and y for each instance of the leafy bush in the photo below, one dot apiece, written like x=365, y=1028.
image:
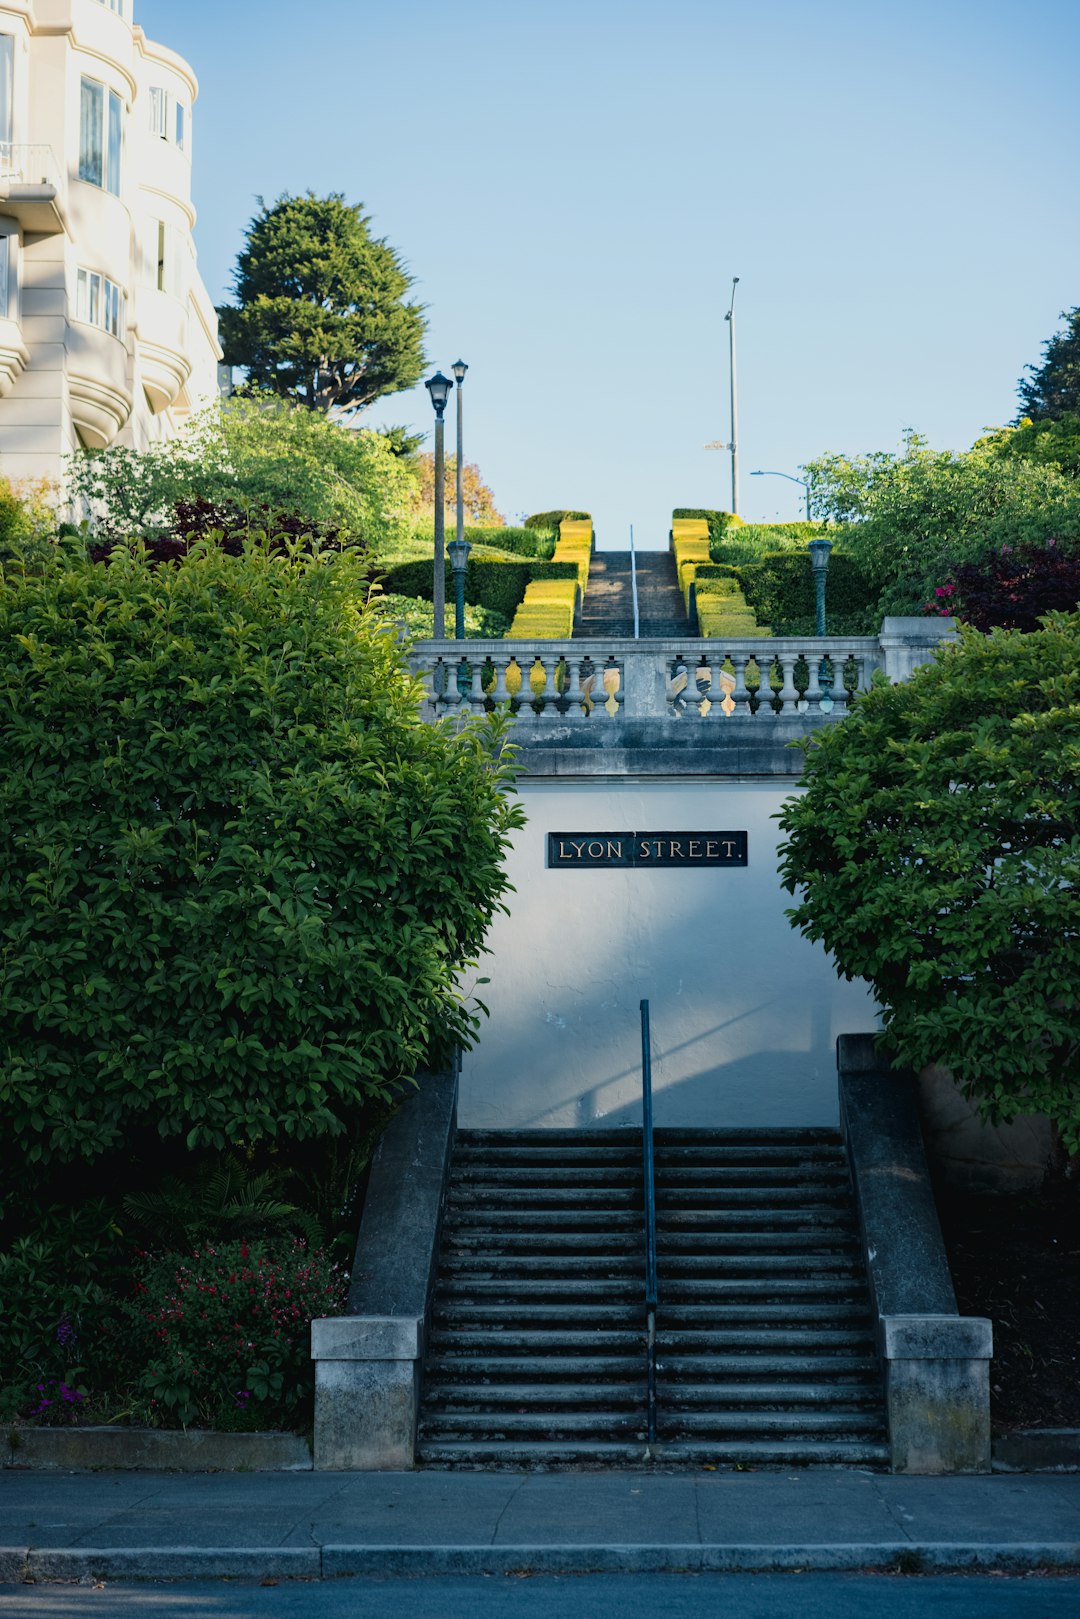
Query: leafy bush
x=935, y=853
x=754, y=540
x=1015, y=589
x=225, y=1335
x=27, y=523
x=239, y=877
x=524, y=542
x=252, y=453
x=910, y=520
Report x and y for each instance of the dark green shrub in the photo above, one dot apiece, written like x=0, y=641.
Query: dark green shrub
x=239, y=877
x=417, y=618
x=489, y=583
x=780, y=589
x=224, y=1335
x=524, y=542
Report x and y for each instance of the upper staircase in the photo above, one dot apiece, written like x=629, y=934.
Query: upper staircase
x=764, y=1335
x=608, y=608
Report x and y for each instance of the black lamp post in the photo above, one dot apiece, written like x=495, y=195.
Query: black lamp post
x=439, y=388
x=459, y=560
x=819, y=557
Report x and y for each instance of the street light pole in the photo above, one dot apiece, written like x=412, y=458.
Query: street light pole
x=803, y=482
x=730, y=318
x=819, y=557
x=439, y=388
x=459, y=369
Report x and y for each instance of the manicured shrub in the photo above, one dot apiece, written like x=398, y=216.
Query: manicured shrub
x=718, y=522
x=239, y=877
x=547, y=612
x=417, y=618
x=750, y=541
x=524, y=542
x=690, y=544
x=549, y=521
x=780, y=589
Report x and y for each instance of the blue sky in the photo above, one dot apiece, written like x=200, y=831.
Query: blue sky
x=574, y=185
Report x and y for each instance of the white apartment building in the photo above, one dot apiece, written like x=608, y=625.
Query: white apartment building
x=107, y=333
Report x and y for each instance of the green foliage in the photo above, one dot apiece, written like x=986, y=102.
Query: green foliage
x=225, y=1197
x=908, y=520
x=254, y=454
x=1052, y=390
x=935, y=853
x=494, y=584
x=321, y=316
x=27, y=524
x=1052, y=442
x=522, y=542
x=417, y=617
x=224, y=1335
x=239, y=878
x=755, y=540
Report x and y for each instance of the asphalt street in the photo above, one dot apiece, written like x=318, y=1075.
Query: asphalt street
x=596, y=1596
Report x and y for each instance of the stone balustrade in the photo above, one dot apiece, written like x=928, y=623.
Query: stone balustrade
x=602, y=684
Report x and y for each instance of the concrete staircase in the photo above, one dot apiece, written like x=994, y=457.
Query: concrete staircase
x=537, y=1354
x=608, y=608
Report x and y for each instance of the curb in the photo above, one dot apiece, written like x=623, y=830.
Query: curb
x=195, y=1450
x=29, y=1564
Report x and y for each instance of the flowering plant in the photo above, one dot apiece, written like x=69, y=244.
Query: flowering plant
x=226, y=1332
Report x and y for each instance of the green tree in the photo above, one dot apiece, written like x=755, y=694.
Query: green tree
x=321, y=314
x=253, y=453
x=241, y=882
x=910, y=519
x=1052, y=390
x=936, y=853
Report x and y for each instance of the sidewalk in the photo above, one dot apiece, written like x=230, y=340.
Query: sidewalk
x=163, y=1525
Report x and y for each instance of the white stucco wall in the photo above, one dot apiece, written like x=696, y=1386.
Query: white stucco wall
x=745, y=1012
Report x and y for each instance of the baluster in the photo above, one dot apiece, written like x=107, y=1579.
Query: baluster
x=575, y=697
x=429, y=705
x=501, y=694
x=676, y=694
x=542, y=690
x=739, y=694
x=701, y=684
x=452, y=691
x=812, y=695
x=476, y=690
x=789, y=695
x=612, y=683
x=765, y=691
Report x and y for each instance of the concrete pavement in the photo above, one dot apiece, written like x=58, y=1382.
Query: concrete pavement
x=167, y=1526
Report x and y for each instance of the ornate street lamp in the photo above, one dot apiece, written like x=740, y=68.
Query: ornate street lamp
x=819, y=557
x=459, y=561
x=439, y=388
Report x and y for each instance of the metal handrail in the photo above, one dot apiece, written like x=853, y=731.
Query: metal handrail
x=633, y=586
x=650, y=1220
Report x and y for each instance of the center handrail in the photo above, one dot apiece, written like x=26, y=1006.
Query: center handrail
x=633, y=586
x=650, y=1220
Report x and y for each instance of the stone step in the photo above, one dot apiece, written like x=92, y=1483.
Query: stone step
x=529, y=1340
x=686, y=1248
x=727, y=1396
x=853, y=1424
x=715, y=1177
x=502, y=1270
x=765, y=1337
x=756, y=1366
x=602, y=1425
x=809, y=1135
x=584, y=1369
x=512, y=1317
x=670, y=1157
x=459, y=1399
x=523, y=1290
x=704, y=1198
x=539, y=1177
x=512, y=1454
x=804, y=1451
x=466, y=1242
x=744, y=1217
x=482, y=1217
x=754, y=1300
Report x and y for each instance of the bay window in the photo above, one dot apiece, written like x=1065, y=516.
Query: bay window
x=101, y=134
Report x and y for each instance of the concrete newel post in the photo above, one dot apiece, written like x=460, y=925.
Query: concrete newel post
x=369, y=1362
x=935, y=1362
x=907, y=643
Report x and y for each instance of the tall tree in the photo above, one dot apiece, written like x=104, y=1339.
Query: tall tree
x=477, y=499
x=1052, y=390
x=321, y=315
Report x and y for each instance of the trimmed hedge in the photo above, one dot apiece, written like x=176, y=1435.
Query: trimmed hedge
x=690, y=543
x=576, y=545
x=716, y=620
x=489, y=582
x=755, y=540
x=550, y=521
x=780, y=589
x=718, y=521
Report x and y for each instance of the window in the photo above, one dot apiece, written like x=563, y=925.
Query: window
x=7, y=73
x=5, y=273
x=168, y=117
x=101, y=134
x=119, y=6
x=99, y=302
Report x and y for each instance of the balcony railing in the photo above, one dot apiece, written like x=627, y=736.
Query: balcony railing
x=28, y=165
x=600, y=684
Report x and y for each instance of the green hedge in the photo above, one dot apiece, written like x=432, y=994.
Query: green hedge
x=752, y=541
x=780, y=589
x=549, y=521
x=719, y=522
x=497, y=585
